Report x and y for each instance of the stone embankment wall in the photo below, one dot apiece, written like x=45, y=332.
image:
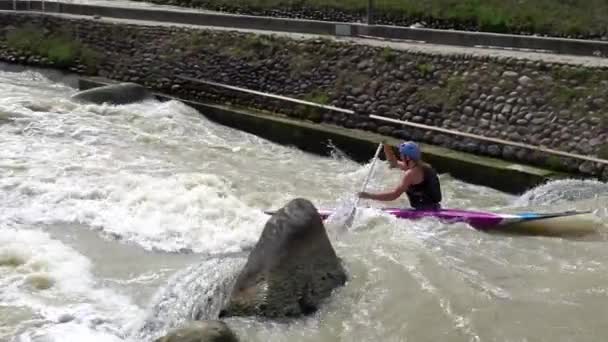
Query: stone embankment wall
x=557, y=106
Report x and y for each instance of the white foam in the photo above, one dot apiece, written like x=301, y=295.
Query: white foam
x=111, y=167
x=30, y=253
x=156, y=174
x=68, y=332
x=563, y=190
x=53, y=280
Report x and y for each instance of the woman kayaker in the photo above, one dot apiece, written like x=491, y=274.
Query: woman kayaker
x=420, y=181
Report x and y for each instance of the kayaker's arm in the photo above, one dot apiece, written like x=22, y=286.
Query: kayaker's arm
x=390, y=195
x=390, y=156
x=385, y=196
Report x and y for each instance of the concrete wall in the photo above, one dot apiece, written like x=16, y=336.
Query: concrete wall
x=459, y=38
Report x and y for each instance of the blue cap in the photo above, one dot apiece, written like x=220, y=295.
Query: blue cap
x=410, y=149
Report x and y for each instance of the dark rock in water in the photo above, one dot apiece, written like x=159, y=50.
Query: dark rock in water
x=292, y=268
x=65, y=318
x=115, y=94
x=201, y=331
x=587, y=167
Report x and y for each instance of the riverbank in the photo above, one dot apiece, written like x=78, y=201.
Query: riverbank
x=549, y=104
x=573, y=19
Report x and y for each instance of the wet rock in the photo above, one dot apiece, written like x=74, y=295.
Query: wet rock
x=521, y=154
x=494, y=150
x=587, y=167
x=292, y=268
x=508, y=152
x=116, y=94
x=201, y=331
x=65, y=318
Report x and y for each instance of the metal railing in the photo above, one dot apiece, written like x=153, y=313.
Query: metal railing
x=273, y=96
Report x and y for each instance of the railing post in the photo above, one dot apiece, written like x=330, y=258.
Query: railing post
x=14, y=5
x=370, y=12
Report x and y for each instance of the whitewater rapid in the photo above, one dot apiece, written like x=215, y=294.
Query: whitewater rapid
x=117, y=222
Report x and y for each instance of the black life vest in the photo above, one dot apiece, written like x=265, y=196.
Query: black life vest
x=426, y=194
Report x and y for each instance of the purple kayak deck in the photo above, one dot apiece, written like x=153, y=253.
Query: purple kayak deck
x=478, y=220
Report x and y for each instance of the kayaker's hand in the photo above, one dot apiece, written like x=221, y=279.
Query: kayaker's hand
x=363, y=195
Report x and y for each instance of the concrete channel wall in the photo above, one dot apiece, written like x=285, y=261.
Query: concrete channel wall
x=432, y=36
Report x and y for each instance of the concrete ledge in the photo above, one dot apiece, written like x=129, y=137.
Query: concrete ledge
x=432, y=36
x=361, y=145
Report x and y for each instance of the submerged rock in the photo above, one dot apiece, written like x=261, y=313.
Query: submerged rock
x=292, y=268
x=115, y=94
x=201, y=331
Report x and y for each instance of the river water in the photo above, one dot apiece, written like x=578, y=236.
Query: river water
x=117, y=222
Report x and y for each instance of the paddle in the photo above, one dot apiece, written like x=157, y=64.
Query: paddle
x=351, y=217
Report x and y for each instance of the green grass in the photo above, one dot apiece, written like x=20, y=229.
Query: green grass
x=565, y=96
x=566, y=17
x=580, y=74
x=60, y=48
x=554, y=163
x=424, y=69
x=317, y=96
x=388, y=55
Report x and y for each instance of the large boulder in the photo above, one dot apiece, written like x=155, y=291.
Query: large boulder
x=292, y=268
x=201, y=331
x=114, y=94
